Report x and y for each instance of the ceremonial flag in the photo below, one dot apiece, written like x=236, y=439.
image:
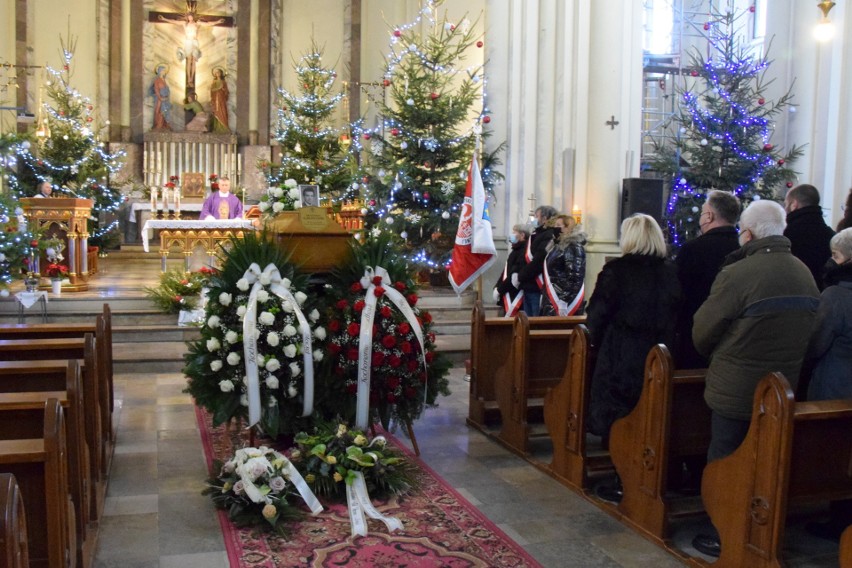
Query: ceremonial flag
x=474, y=249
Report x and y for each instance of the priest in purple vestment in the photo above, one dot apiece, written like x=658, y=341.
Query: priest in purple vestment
x=222, y=204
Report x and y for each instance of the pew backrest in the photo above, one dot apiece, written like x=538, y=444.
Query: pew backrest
x=13, y=524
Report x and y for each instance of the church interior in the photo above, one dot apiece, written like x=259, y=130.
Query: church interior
x=338, y=118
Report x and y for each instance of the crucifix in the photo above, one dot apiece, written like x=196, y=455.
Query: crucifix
x=612, y=123
x=192, y=21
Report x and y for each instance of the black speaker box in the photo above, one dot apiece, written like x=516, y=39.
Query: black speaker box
x=642, y=195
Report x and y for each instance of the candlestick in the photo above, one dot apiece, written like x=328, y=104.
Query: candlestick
x=177, y=203
x=165, y=203
x=153, y=202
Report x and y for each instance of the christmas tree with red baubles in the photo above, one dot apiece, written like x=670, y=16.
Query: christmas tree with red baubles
x=720, y=136
x=416, y=160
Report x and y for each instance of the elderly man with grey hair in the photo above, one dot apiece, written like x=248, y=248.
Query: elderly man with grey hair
x=756, y=320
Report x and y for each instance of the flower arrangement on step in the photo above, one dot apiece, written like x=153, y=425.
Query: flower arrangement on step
x=179, y=291
x=278, y=199
x=259, y=486
x=56, y=271
x=260, y=340
x=331, y=456
x=381, y=345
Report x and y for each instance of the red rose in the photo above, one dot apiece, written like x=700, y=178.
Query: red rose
x=410, y=392
x=389, y=341
x=352, y=389
x=356, y=287
x=423, y=378
x=391, y=398
x=178, y=298
x=412, y=364
x=377, y=280
x=375, y=330
x=352, y=354
x=359, y=306
x=334, y=325
x=378, y=358
x=353, y=329
x=385, y=311
x=431, y=336
x=412, y=299
x=339, y=371
x=34, y=244
x=399, y=286
x=405, y=347
x=342, y=305
x=427, y=317
x=184, y=282
x=404, y=328
x=429, y=356
x=379, y=291
x=334, y=348
x=393, y=382
x=394, y=361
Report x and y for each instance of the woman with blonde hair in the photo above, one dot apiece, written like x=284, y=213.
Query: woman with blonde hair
x=633, y=308
x=564, y=270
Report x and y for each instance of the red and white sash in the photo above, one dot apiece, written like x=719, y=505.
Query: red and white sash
x=511, y=307
x=528, y=256
x=562, y=307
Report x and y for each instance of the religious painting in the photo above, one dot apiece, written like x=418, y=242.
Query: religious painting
x=309, y=195
x=193, y=185
x=196, y=46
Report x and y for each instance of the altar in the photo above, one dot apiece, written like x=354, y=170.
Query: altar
x=186, y=235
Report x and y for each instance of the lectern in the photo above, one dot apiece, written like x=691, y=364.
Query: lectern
x=64, y=218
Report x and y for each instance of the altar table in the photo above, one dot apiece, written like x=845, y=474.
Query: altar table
x=187, y=234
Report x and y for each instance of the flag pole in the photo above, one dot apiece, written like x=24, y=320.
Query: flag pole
x=477, y=152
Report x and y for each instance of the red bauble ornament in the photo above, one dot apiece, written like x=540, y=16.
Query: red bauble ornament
x=761, y=101
x=486, y=119
x=397, y=33
x=306, y=85
x=90, y=107
x=372, y=202
x=365, y=179
x=61, y=113
x=386, y=82
x=65, y=68
x=395, y=131
x=767, y=147
x=707, y=26
x=434, y=96
x=694, y=73
x=427, y=195
x=781, y=162
x=367, y=136
x=89, y=119
x=789, y=184
x=479, y=44
x=751, y=9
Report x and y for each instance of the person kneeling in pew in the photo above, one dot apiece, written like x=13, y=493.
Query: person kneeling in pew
x=761, y=304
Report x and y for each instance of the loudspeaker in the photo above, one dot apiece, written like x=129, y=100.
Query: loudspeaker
x=642, y=195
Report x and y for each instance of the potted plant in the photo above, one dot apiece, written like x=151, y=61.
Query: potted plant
x=56, y=272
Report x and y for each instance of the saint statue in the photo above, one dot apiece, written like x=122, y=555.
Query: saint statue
x=200, y=117
x=162, y=105
x=219, y=102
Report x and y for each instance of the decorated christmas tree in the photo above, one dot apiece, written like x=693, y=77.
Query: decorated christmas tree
x=313, y=150
x=68, y=150
x=721, y=132
x=16, y=250
x=415, y=172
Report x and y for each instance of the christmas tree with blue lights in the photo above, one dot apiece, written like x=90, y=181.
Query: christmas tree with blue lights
x=416, y=159
x=722, y=130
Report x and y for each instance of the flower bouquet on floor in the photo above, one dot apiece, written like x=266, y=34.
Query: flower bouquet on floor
x=381, y=345
x=259, y=486
x=333, y=455
x=179, y=291
x=260, y=339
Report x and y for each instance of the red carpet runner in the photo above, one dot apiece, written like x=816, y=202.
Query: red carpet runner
x=441, y=528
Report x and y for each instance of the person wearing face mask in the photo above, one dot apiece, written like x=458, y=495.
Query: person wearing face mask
x=507, y=295
x=763, y=301
x=530, y=278
x=565, y=270
x=698, y=262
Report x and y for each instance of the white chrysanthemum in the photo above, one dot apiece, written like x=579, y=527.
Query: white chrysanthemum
x=243, y=284
x=241, y=311
x=290, y=351
x=225, y=299
x=213, y=344
x=265, y=279
x=213, y=321
x=295, y=369
x=243, y=402
x=234, y=358
x=318, y=355
x=285, y=283
x=290, y=182
x=272, y=339
x=232, y=336
x=287, y=306
x=289, y=331
x=273, y=365
x=277, y=192
x=266, y=318
x=226, y=386
x=277, y=207
x=262, y=296
x=263, y=205
x=319, y=333
x=297, y=203
x=272, y=382
x=293, y=193
x=215, y=365
x=291, y=391
x=300, y=297
x=314, y=315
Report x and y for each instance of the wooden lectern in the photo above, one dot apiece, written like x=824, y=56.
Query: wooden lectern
x=64, y=218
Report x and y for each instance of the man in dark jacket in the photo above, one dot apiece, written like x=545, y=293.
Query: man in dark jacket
x=761, y=307
x=806, y=229
x=698, y=262
x=530, y=278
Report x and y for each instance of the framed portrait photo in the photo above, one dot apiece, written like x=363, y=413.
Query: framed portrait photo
x=309, y=195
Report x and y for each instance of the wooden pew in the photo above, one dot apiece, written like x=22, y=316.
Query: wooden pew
x=101, y=327
x=34, y=451
x=13, y=524
x=846, y=548
x=64, y=385
x=565, y=411
x=793, y=451
x=490, y=349
x=537, y=363
x=51, y=375
x=671, y=422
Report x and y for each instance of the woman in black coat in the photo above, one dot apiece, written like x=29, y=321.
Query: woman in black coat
x=633, y=308
x=505, y=292
x=565, y=270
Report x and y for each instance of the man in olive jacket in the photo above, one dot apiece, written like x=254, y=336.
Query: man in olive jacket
x=757, y=320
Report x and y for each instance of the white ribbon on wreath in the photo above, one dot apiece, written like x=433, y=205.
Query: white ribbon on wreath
x=365, y=347
x=280, y=287
x=253, y=493
x=360, y=507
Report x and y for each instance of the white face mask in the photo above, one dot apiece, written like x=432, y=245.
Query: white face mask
x=513, y=238
x=534, y=223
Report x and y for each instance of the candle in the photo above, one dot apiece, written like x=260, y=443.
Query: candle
x=153, y=201
x=165, y=202
x=177, y=203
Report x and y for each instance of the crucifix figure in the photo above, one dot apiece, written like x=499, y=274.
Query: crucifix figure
x=192, y=21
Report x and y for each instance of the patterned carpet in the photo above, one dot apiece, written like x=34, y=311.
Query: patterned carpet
x=440, y=528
